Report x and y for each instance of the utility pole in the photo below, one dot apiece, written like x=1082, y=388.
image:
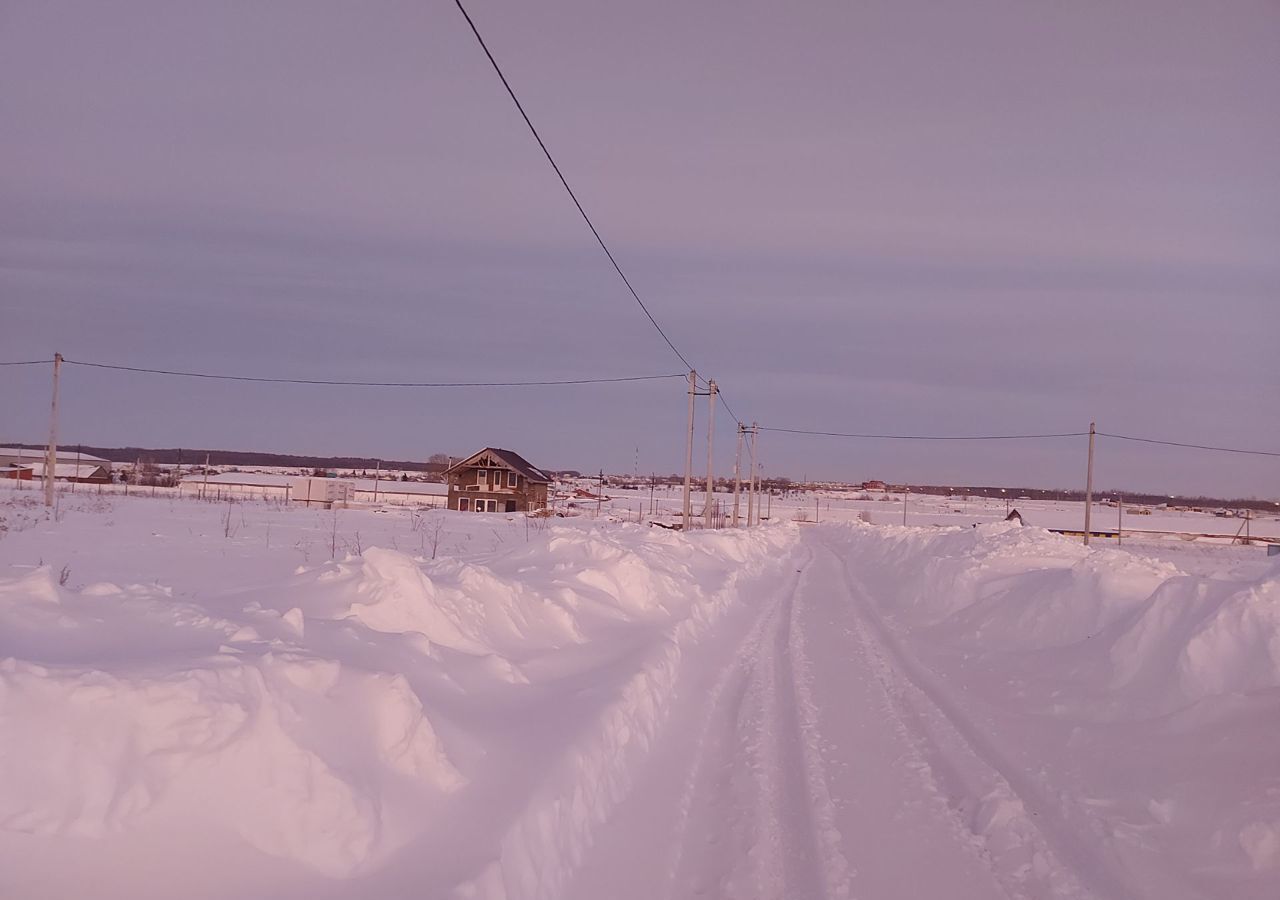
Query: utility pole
x=737, y=476
x=688, y=455
x=204, y=488
x=905, y=490
x=753, y=501
x=51, y=455
x=653, y=481
x=711, y=430
x=600, y=493
x=1119, y=519
x=1088, y=485
x=377, y=476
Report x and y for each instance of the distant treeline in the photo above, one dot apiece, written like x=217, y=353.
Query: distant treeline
x=187, y=456
x=1013, y=494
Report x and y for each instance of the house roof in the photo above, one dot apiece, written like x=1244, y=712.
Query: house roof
x=68, y=470
x=386, y=485
x=511, y=459
x=63, y=454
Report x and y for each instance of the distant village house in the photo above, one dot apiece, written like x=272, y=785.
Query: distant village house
x=496, y=480
x=26, y=465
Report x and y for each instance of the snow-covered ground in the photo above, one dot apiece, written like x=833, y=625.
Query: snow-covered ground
x=206, y=699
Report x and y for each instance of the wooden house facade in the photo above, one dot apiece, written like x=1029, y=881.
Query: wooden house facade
x=496, y=480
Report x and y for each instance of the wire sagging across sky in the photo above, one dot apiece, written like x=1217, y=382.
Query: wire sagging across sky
x=564, y=181
x=930, y=437
x=398, y=384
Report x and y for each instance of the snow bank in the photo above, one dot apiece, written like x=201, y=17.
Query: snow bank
x=1169, y=639
x=333, y=716
x=298, y=754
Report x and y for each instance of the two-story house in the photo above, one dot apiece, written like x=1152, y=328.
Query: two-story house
x=496, y=480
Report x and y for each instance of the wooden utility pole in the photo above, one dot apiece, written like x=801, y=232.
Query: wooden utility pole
x=1119, y=519
x=599, y=493
x=905, y=490
x=1088, y=486
x=377, y=476
x=753, y=501
x=688, y=454
x=737, y=476
x=204, y=488
x=707, y=507
x=51, y=455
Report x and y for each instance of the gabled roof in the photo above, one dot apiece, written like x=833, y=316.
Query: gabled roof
x=67, y=470
x=510, y=459
x=63, y=454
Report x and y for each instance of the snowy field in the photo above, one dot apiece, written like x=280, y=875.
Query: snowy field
x=213, y=699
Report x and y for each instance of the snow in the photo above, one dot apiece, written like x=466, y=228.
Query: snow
x=252, y=699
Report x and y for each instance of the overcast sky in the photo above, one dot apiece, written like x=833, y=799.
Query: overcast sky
x=985, y=217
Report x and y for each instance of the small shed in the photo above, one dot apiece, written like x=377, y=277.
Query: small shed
x=322, y=492
x=496, y=480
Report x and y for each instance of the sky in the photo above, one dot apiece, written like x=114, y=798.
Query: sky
x=888, y=217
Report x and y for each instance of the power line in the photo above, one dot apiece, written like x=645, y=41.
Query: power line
x=1125, y=437
x=572, y=196
x=30, y=362
x=930, y=437
x=725, y=404
x=409, y=384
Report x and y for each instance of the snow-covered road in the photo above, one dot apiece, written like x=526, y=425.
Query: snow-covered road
x=804, y=762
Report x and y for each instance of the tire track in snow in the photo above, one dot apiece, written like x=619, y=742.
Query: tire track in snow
x=1022, y=844
x=757, y=789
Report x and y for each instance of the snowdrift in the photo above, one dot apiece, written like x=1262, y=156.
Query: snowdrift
x=361, y=707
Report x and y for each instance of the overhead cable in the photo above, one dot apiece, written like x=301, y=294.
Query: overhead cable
x=930, y=437
x=407, y=384
x=1126, y=437
x=564, y=181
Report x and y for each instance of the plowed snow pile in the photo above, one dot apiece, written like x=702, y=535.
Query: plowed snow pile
x=478, y=715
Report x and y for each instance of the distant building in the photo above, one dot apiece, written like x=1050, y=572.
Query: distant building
x=874, y=486
x=84, y=473
x=322, y=492
x=496, y=480
x=18, y=456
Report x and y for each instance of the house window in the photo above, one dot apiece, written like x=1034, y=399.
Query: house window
x=511, y=482
x=464, y=504
x=511, y=506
